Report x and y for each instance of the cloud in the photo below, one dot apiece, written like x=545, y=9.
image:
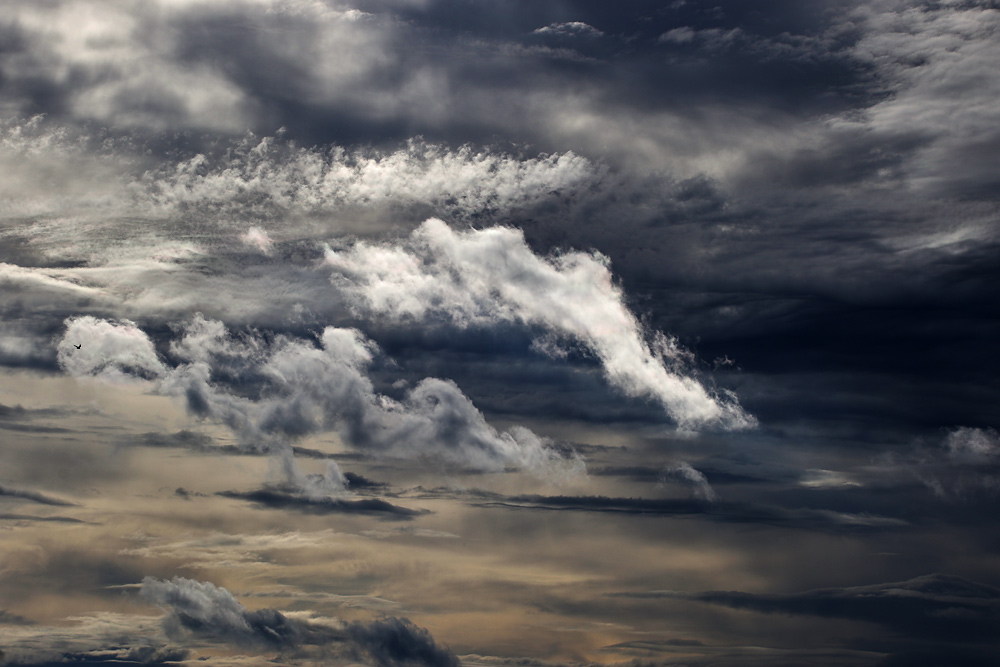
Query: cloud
x=101, y=639
x=27, y=518
x=206, y=610
x=267, y=177
x=34, y=496
x=938, y=606
x=935, y=62
x=263, y=179
x=728, y=512
x=258, y=238
x=973, y=445
x=115, y=655
x=682, y=35
x=303, y=388
x=395, y=641
x=231, y=550
x=202, y=443
x=292, y=498
x=7, y=618
x=321, y=388
x=684, y=472
x=209, y=610
x=569, y=29
x=962, y=466
x=484, y=277
x=109, y=350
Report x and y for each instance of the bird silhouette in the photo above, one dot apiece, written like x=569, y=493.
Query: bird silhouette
x=76, y=346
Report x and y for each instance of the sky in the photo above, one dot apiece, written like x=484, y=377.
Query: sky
x=426, y=333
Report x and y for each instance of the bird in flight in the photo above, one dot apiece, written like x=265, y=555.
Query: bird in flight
x=76, y=346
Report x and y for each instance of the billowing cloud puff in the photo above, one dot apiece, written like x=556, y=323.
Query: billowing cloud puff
x=483, y=277
x=111, y=350
x=256, y=237
x=214, y=612
x=312, y=388
x=207, y=610
x=300, y=388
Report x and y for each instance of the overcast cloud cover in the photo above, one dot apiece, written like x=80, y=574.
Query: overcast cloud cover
x=437, y=332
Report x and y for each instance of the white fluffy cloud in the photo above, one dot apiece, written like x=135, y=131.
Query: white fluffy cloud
x=488, y=276
x=110, y=350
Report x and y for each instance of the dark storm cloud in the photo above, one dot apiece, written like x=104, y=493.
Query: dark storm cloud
x=397, y=641
x=205, y=610
x=459, y=72
x=283, y=498
x=829, y=94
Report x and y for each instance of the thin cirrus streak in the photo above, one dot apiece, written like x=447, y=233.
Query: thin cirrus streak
x=483, y=277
